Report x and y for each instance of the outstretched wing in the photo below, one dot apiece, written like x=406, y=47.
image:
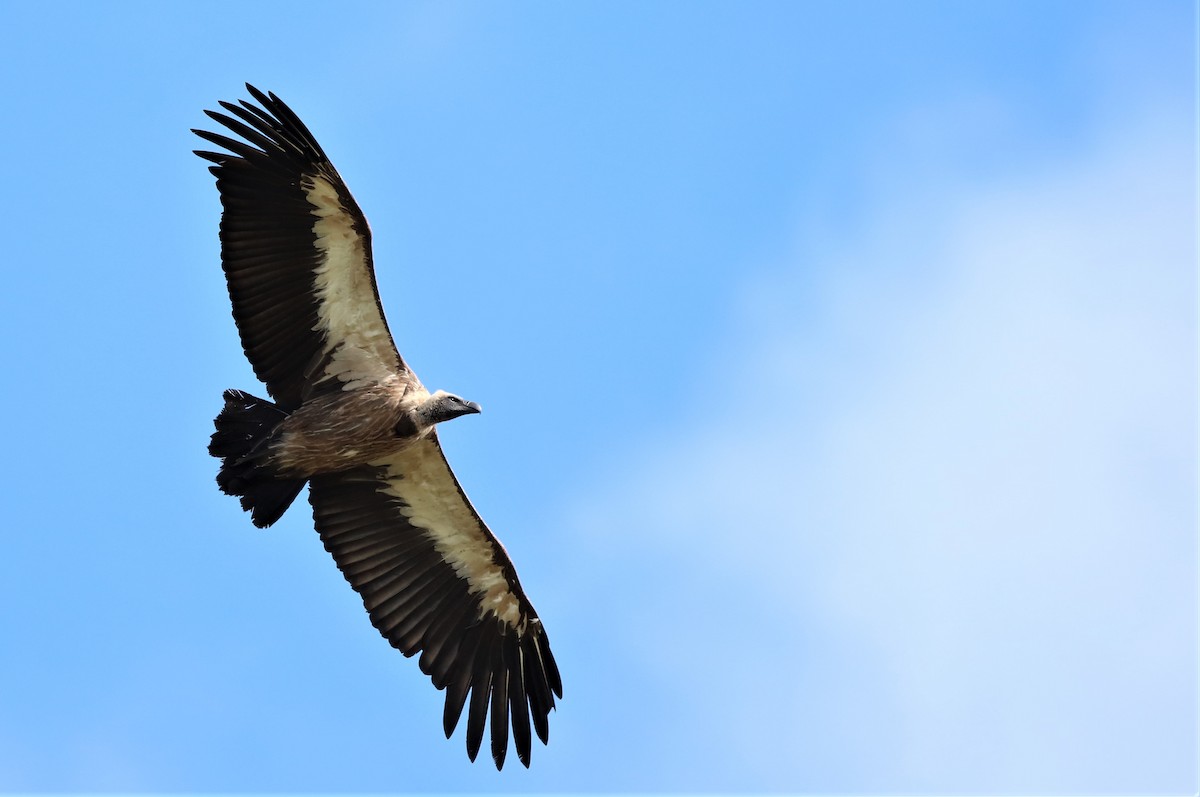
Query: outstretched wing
x=296, y=251
x=435, y=581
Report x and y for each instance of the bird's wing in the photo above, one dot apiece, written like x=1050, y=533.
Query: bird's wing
x=296, y=251
x=435, y=581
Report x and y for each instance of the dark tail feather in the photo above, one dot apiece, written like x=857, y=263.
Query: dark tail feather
x=244, y=425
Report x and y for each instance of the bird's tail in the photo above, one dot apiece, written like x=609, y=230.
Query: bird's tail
x=243, y=427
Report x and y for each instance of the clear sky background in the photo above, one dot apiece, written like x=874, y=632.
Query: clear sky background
x=839, y=374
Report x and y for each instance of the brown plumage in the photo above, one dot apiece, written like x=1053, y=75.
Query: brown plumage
x=351, y=420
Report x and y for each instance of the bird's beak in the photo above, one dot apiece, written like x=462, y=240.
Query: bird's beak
x=473, y=407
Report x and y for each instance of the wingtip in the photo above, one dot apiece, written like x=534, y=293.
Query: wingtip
x=473, y=749
x=258, y=94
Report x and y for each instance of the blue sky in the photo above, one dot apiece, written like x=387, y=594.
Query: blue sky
x=838, y=365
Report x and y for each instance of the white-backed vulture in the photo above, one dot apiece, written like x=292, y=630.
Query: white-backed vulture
x=351, y=420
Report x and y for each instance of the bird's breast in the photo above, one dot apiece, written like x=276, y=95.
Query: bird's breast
x=343, y=429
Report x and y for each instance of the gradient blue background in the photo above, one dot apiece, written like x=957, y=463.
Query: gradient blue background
x=838, y=364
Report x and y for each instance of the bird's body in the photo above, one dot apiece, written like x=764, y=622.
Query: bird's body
x=350, y=419
x=343, y=429
x=338, y=430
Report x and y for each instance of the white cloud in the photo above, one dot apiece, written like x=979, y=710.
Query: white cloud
x=932, y=526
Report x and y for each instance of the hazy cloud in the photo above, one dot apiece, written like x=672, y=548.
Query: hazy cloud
x=931, y=523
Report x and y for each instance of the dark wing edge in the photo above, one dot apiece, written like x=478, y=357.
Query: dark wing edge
x=435, y=581
x=294, y=243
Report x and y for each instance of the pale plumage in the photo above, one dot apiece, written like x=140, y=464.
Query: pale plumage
x=350, y=419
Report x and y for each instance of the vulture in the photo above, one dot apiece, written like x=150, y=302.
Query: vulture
x=349, y=418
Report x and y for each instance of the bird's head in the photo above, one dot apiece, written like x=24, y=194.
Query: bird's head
x=443, y=406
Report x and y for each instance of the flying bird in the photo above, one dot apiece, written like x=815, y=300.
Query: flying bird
x=350, y=418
